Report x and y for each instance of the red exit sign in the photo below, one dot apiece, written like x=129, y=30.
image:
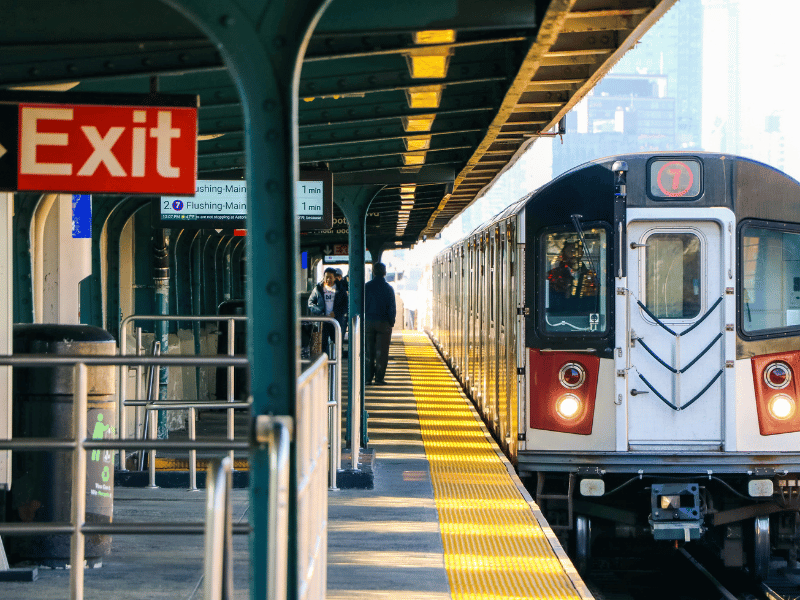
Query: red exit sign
x=107, y=149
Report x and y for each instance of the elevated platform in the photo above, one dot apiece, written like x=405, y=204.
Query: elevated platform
x=447, y=518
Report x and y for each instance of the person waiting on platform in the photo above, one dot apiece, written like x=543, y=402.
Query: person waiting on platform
x=379, y=315
x=328, y=299
x=572, y=284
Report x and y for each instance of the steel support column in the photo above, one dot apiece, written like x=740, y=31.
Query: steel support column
x=262, y=43
x=354, y=202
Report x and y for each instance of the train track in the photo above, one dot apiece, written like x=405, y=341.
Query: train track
x=659, y=572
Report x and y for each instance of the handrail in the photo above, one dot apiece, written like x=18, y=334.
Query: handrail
x=355, y=429
x=276, y=432
x=334, y=405
x=123, y=381
x=218, y=554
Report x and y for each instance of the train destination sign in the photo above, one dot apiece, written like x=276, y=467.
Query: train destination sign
x=99, y=148
x=223, y=204
x=675, y=179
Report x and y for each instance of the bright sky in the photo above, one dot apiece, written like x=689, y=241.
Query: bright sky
x=749, y=66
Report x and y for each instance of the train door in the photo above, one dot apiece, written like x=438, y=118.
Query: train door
x=676, y=330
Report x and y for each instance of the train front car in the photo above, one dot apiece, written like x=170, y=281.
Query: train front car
x=657, y=383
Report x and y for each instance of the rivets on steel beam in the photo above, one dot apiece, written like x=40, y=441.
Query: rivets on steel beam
x=271, y=236
x=274, y=338
x=34, y=71
x=146, y=62
x=273, y=288
x=72, y=68
x=183, y=58
x=274, y=390
x=272, y=185
x=271, y=135
x=109, y=65
x=269, y=105
x=279, y=41
x=227, y=21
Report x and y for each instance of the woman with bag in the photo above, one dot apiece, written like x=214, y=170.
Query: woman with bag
x=328, y=299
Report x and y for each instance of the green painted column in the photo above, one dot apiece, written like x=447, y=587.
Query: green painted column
x=354, y=202
x=262, y=43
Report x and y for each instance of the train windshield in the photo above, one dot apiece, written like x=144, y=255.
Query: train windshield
x=770, y=279
x=575, y=298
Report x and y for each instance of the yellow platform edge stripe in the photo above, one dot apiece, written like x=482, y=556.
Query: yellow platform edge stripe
x=182, y=464
x=497, y=543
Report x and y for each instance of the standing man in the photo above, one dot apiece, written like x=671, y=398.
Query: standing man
x=328, y=300
x=343, y=285
x=379, y=316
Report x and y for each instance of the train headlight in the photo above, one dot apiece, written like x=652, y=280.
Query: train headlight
x=781, y=407
x=777, y=375
x=568, y=406
x=572, y=375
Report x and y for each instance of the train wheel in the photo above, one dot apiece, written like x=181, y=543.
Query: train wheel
x=583, y=544
x=761, y=547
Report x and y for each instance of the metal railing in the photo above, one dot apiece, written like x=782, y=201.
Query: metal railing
x=191, y=406
x=355, y=429
x=334, y=400
x=311, y=443
x=79, y=445
x=218, y=554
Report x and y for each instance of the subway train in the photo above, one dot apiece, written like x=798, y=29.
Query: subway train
x=630, y=334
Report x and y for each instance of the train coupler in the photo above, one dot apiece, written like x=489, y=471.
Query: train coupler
x=675, y=511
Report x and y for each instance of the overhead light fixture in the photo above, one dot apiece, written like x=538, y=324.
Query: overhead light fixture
x=414, y=158
x=418, y=143
x=209, y=136
x=412, y=169
x=434, y=36
x=430, y=65
x=408, y=203
x=50, y=87
x=418, y=123
x=425, y=96
x=407, y=189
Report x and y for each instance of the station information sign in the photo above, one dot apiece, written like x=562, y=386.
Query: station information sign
x=81, y=144
x=223, y=204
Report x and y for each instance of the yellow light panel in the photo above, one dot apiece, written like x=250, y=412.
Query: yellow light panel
x=425, y=96
x=418, y=123
x=428, y=66
x=435, y=36
x=414, y=158
x=407, y=189
x=418, y=143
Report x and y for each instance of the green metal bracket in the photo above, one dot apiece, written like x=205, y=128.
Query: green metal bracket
x=24, y=207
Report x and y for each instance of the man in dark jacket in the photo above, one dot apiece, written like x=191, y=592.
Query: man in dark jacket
x=328, y=299
x=379, y=316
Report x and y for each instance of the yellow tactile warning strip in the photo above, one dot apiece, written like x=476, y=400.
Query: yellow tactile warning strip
x=494, y=548
x=182, y=464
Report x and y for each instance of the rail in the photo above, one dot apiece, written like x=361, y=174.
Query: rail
x=334, y=403
x=122, y=421
x=355, y=401
x=218, y=549
x=273, y=430
x=311, y=442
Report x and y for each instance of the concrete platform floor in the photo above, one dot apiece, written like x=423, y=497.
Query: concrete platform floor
x=382, y=543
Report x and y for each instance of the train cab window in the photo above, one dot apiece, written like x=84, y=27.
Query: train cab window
x=672, y=275
x=770, y=298
x=575, y=295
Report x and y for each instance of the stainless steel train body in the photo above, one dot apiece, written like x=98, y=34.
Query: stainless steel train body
x=630, y=333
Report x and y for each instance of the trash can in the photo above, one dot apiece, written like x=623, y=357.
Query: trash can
x=41, y=484
x=240, y=375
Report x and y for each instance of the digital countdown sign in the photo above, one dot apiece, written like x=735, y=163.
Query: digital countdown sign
x=222, y=204
x=675, y=179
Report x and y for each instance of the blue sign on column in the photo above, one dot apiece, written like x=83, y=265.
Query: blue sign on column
x=81, y=216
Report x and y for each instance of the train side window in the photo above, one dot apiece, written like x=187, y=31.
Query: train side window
x=672, y=275
x=575, y=287
x=770, y=298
